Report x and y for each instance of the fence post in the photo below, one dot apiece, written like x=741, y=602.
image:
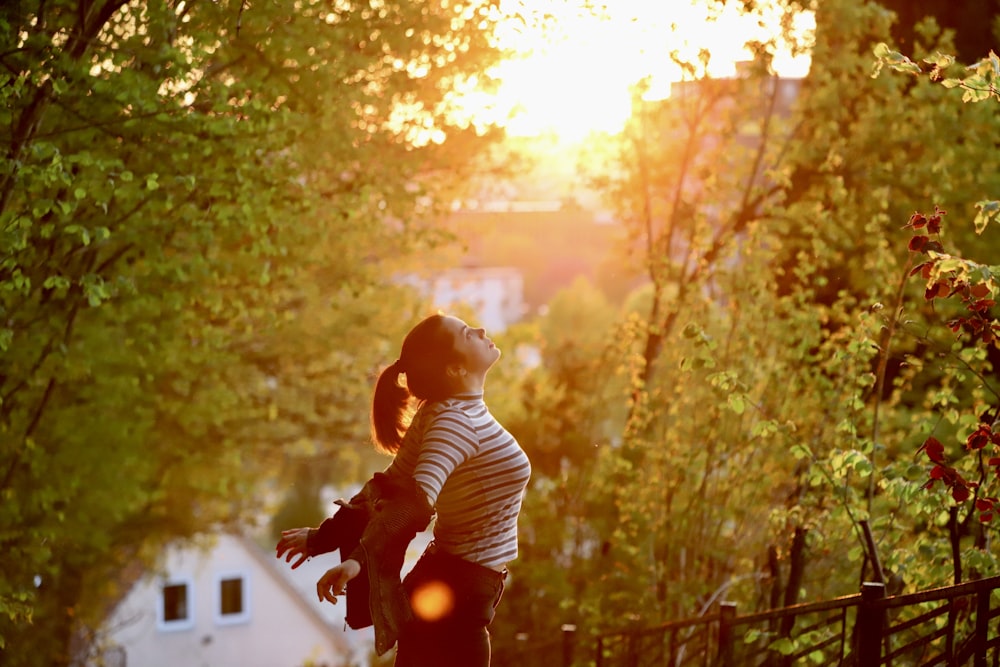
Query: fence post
x=727, y=612
x=870, y=623
x=982, y=626
x=568, y=634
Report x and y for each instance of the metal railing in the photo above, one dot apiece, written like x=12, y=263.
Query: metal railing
x=678, y=643
x=944, y=626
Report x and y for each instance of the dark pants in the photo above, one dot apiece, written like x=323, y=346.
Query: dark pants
x=453, y=602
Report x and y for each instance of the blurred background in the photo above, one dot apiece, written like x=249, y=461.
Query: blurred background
x=680, y=221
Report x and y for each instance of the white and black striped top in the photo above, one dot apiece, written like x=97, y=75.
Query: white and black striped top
x=474, y=474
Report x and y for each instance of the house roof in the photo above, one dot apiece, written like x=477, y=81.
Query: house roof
x=277, y=568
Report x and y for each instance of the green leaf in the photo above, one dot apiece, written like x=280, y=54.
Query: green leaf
x=56, y=282
x=801, y=451
x=95, y=289
x=78, y=230
x=941, y=60
x=784, y=646
x=882, y=50
x=764, y=428
x=987, y=210
x=41, y=207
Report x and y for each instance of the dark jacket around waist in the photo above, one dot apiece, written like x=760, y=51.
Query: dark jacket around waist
x=374, y=528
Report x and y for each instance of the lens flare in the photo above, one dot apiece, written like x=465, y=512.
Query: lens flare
x=432, y=601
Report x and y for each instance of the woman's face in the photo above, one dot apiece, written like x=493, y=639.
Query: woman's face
x=472, y=345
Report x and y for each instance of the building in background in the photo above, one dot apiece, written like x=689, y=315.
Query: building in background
x=232, y=605
x=494, y=295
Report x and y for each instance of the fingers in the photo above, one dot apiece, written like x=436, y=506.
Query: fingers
x=293, y=539
x=327, y=593
x=302, y=559
x=330, y=585
x=291, y=545
x=289, y=552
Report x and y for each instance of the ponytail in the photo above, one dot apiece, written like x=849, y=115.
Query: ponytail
x=390, y=410
x=423, y=358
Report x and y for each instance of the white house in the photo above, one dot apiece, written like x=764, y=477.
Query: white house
x=237, y=605
x=494, y=294
x=233, y=605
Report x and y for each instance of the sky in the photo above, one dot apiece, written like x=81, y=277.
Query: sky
x=576, y=76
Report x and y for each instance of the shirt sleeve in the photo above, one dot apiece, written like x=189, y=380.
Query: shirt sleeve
x=449, y=441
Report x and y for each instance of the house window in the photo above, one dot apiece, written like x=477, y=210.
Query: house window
x=231, y=594
x=175, y=603
x=175, y=610
x=232, y=599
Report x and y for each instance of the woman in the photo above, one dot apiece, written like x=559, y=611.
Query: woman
x=452, y=456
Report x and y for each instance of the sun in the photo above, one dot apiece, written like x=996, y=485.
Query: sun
x=574, y=75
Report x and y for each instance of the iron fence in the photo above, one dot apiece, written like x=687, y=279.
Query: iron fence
x=953, y=626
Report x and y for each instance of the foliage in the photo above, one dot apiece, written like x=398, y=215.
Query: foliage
x=778, y=378
x=200, y=204
x=974, y=285
x=565, y=414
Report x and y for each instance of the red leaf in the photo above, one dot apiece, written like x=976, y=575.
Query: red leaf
x=960, y=493
x=979, y=438
x=936, y=290
x=982, y=305
x=934, y=449
x=979, y=290
x=986, y=517
x=984, y=504
x=918, y=243
x=917, y=220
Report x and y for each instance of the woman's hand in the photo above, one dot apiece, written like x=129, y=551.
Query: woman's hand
x=295, y=542
x=334, y=582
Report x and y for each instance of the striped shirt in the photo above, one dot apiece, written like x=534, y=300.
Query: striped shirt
x=474, y=474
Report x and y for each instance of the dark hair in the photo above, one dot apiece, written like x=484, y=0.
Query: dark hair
x=426, y=352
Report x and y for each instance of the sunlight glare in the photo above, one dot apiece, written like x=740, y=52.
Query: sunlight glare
x=432, y=601
x=578, y=78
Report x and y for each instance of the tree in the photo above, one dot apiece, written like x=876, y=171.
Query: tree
x=967, y=291
x=566, y=410
x=198, y=203
x=972, y=21
x=772, y=396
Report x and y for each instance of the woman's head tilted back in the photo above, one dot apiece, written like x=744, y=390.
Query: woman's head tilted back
x=424, y=358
